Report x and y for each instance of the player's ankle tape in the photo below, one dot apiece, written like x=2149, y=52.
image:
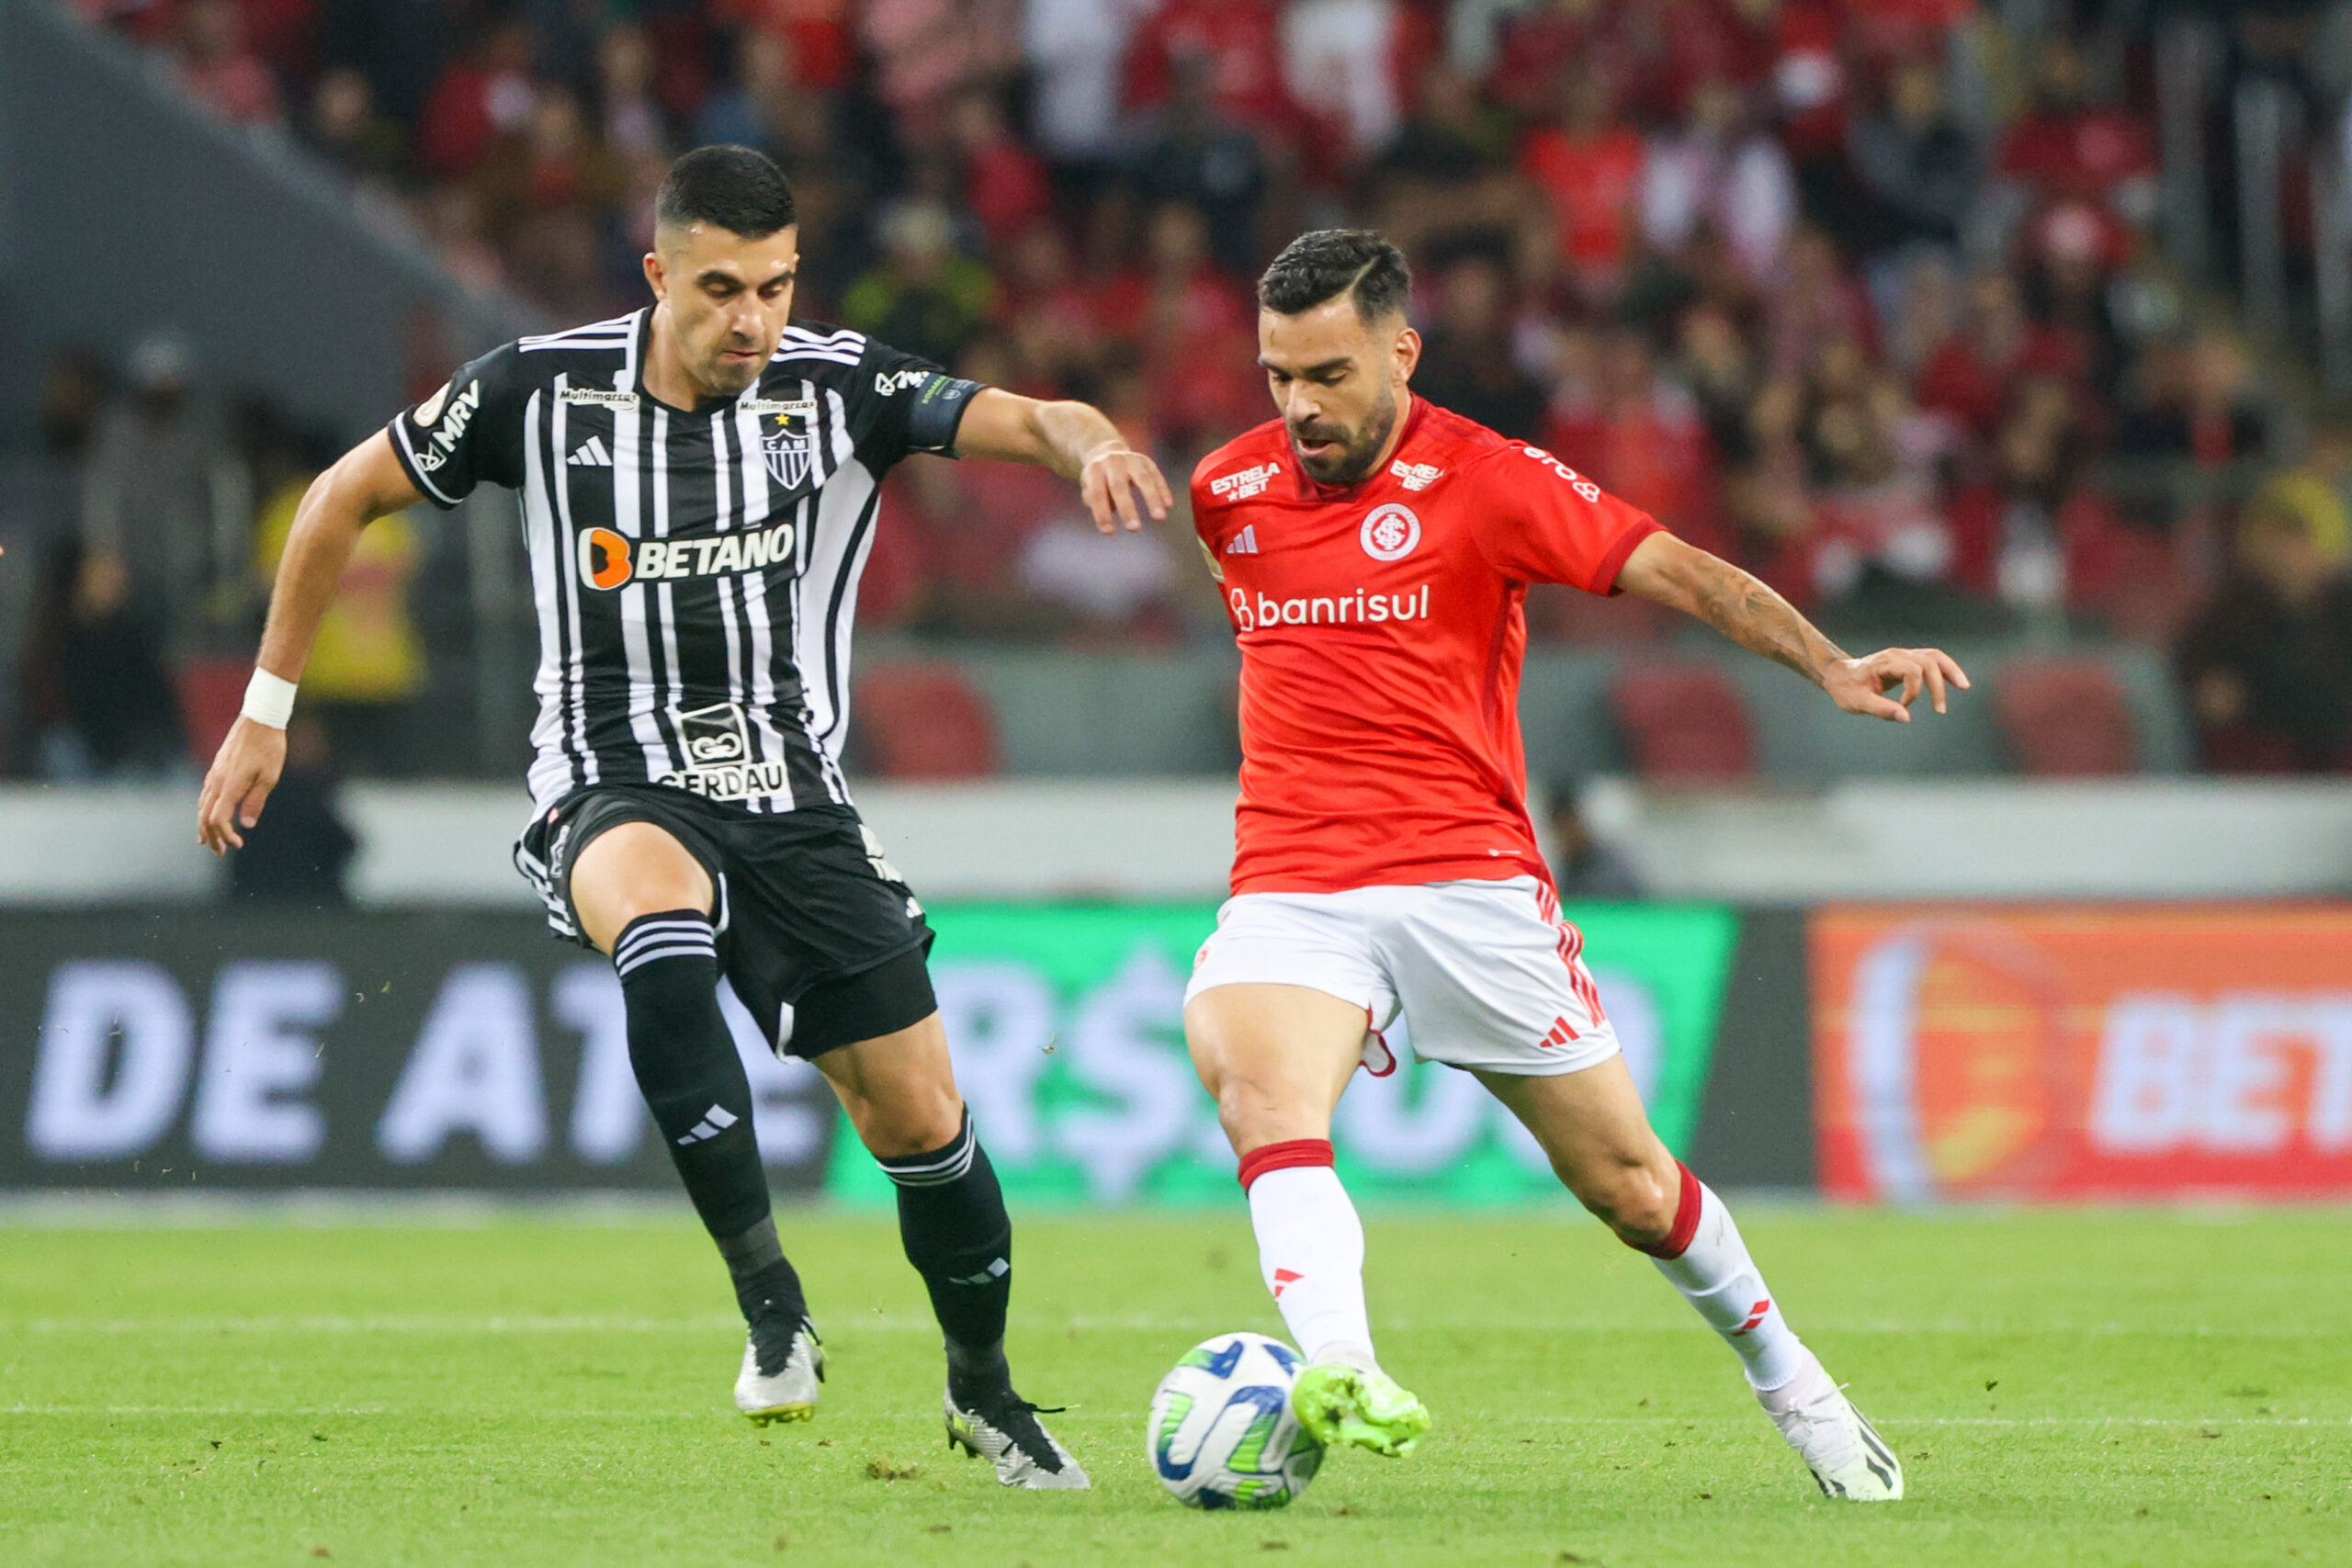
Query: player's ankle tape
x=1677, y=1241
x=1286, y=1155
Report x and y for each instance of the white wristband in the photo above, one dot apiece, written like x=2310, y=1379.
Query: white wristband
x=269, y=699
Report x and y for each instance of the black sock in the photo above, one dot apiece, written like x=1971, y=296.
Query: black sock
x=765, y=1281
x=694, y=1083
x=951, y=1219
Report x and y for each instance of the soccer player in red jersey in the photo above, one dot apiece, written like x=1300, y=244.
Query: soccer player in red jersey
x=1373, y=552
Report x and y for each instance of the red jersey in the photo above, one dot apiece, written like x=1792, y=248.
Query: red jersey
x=1381, y=634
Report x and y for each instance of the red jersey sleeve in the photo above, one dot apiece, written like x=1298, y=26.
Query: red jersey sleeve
x=1205, y=521
x=1541, y=521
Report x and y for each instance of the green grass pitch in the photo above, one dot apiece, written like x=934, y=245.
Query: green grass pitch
x=2066, y=1387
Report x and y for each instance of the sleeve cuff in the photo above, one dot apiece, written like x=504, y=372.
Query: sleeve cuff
x=1604, y=576
x=401, y=450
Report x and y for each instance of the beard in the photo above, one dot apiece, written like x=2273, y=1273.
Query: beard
x=1352, y=464
x=726, y=379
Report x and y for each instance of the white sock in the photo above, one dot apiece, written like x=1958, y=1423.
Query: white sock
x=1310, y=1253
x=1715, y=1275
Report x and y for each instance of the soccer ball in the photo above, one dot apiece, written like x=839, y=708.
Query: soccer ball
x=1222, y=1435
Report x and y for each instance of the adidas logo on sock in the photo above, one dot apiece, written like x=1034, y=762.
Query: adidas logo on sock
x=591, y=454
x=713, y=1122
x=997, y=1270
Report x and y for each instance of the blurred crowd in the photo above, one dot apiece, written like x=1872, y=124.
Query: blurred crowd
x=1863, y=294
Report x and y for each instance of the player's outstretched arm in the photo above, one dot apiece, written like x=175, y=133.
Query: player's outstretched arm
x=1076, y=441
x=366, y=483
x=1682, y=577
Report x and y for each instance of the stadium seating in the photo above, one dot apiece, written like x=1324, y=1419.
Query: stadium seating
x=2064, y=718
x=1683, y=724
x=923, y=721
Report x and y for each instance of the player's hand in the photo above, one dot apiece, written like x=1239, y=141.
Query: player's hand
x=242, y=776
x=1886, y=684
x=1114, y=479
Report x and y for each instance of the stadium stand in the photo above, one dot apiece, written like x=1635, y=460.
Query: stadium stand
x=1684, y=724
x=2064, y=719
x=924, y=722
x=1879, y=301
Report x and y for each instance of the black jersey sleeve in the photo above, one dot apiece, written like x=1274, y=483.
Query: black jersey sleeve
x=898, y=404
x=470, y=431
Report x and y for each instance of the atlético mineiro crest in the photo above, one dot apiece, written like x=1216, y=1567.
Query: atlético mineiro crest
x=788, y=442
x=1390, y=532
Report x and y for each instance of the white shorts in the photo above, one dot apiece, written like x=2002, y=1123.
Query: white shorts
x=1486, y=975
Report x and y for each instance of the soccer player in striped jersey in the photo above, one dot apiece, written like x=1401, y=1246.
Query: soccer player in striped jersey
x=699, y=483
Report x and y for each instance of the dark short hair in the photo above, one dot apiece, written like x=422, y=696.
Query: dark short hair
x=1322, y=265
x=733, y=188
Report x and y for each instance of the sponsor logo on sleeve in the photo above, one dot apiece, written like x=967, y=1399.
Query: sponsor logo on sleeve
x=1584, y=487
x=1390, y=532
x=1244, y=483
x=889, y=383
x=448, y=424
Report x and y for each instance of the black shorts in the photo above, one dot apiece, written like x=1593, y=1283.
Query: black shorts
x=808, y=915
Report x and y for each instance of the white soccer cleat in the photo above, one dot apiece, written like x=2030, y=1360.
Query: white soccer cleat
x=1005, y=1430
x=1837, y=1441
x=781, y=1385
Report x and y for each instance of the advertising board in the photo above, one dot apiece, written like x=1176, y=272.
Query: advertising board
x=2085, y=1052
x=206, y=1050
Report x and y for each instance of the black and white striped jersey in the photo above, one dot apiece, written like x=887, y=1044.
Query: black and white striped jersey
x=695, y=572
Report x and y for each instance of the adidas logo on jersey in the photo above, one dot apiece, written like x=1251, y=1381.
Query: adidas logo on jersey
x=591, y=454
x=1245, y=543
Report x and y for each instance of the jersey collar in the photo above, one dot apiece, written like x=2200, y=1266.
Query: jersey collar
x=1307, y=489
x=632, y=379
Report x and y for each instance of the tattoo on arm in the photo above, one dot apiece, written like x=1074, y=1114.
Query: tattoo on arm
x=1759, y=620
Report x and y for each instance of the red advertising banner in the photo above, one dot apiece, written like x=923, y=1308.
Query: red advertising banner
x=2082, y=1052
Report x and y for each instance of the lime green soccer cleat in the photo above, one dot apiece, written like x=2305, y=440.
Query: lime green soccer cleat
x=1341, y=1404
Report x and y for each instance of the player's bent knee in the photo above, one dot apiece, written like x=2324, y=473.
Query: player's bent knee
x=1255, y=1111
x=903, y=1127
x=1629, y=1200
